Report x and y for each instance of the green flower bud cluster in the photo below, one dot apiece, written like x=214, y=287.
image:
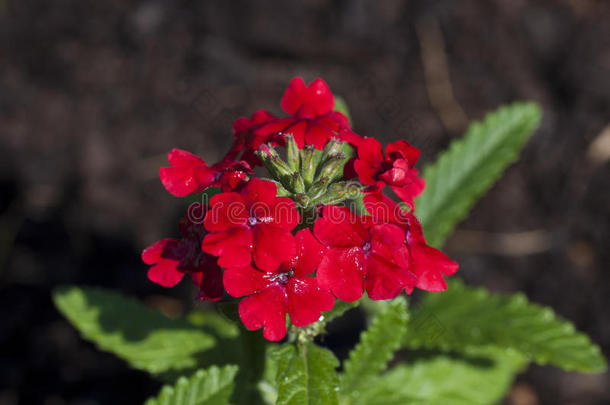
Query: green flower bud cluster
x=310, y=176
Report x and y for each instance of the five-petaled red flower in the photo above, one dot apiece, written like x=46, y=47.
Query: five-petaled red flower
x=253, y=223
x=288, y=289
x=396, y=168
x=249, y=134
x=362, y=254
x=428, y=264
x=171, y=259
x=189, y=174
x=313, y=121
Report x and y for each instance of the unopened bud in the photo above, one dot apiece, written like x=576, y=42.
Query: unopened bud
x=333, y=168
x=332, y=148
x=310, y=158
x=276, y=166
x=296, y=183
x=339, y=192
x=292, y=154
x=318, y=188
x=280, y=189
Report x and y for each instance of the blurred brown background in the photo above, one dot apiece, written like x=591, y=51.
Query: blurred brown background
x=94, y=93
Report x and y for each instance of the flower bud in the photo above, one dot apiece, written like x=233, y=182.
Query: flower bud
x=332, y=148
x=292, y=154
x=339, y=192
x=280, y=189
x=276, y=166
x=310, y=158
x=296, y=183
x=318, y=188
x=333, y=168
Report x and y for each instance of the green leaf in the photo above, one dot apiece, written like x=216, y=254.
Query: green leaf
x=206, y=387
x=470, y=167
x=464, y=316
x=377, y=346
x=480, y=377
x=306, y=375
x=217, y=323
x=341, y=106
x=145, y=338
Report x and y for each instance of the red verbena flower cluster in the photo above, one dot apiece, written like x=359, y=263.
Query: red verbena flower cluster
x=319, y=228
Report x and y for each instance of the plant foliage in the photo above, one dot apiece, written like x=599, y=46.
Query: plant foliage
x=206, y=387
x=464, y=317
x=471, y=165
x=145, y=338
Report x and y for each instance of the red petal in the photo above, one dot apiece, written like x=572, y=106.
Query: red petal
x=339, y=227
x=165, y=273
x=242, y=124
x=317, y=136
x=309, y=253
x=384, y=280
x=209, y=281
x=272, y=246
x=429, y=264
x=402, y=149
x=387, y=241
x=335, y=121
x=414, y=188
x=351, y=137
x=261, y=117
x=284, y=213
x=233, y=247
x=306, y=300
x=182, y=158
x=178, y=181
x=152, y=254
x=240, y=281
x=230, y=180
x=431, y=281
x=369, y=160
x=258, y=193
x=342, y=272
x=297, y=131
x=269, y=129
x=294, y=96
x=394, y=177
x=227, y=210
x=369, y=150
x=267, y=310
x=383, y=209
x=348, y=170
x=205, y=176
x=320, y=97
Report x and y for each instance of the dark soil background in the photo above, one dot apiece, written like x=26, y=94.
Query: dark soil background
x=94, y=93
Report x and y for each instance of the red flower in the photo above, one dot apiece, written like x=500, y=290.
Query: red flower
x=395, y=169
x=313, y=120
x=428, y=264
x=307, y=101
x=251, y=133
x=362, y=254
x=253, y=223
x=171, y=259
x=288, y=289
x=189, y=173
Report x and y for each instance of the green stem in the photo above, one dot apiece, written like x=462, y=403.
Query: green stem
x=252, y=368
